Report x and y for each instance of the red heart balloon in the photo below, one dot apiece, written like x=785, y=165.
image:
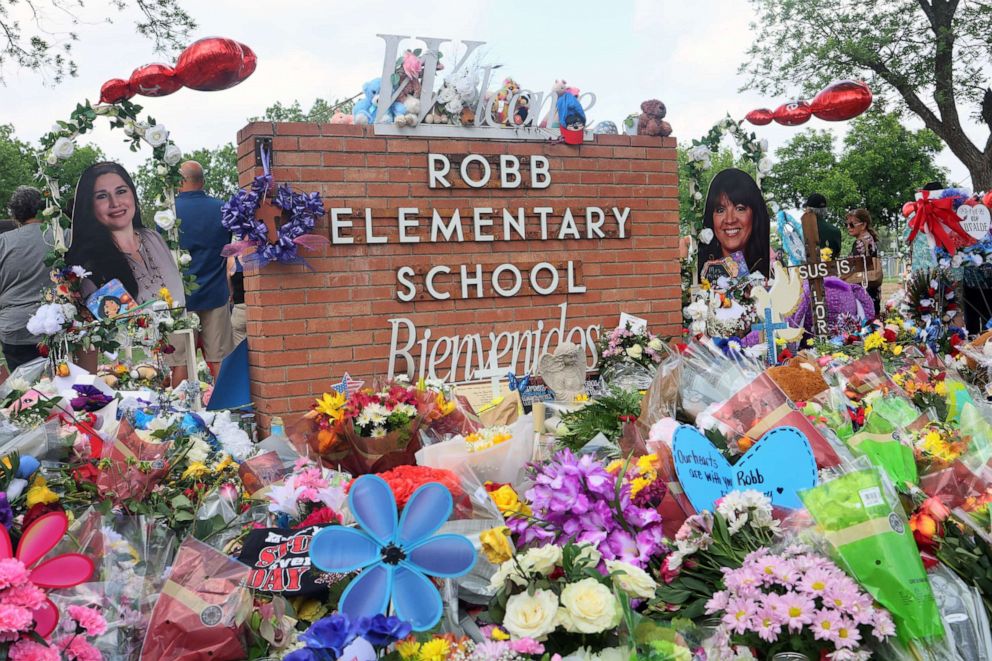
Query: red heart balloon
x=250, y=61
x=154, y=80
x=908, y=209
x=211, y=64
x=842, y=101
x=760, y=117
x=793, y=113
x=115, y=90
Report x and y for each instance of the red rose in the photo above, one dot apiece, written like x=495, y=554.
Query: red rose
x=85, y=473
x=43, y=350
x=39, y=510
x=889, y=335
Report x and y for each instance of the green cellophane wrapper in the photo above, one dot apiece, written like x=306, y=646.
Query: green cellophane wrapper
x=868, y=531
x=958, y=398
x=876, y=440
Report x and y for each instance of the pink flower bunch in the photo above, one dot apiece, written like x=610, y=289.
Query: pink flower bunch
x=305, y=491
x=83, y=622
x=503, y=650
x=19, y=598
x=799, y=596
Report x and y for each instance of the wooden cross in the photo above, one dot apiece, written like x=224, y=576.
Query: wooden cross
x=814, y=271
x=769, y=328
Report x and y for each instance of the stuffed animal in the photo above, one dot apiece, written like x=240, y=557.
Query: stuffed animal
x=652, y=119
x=342, y=118
x=366, y=108
x=409, y=118
x=501, y=101
x=571, y=116
x=799, y=378
x=521, y=110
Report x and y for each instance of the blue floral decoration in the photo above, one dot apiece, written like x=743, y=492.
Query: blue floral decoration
x=395, y=553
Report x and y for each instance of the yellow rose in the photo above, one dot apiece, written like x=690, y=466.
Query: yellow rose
x=541, y=560
x=633, y=580
x=40, y=493
x=531, y=616
x=508, y=502
x=588, y=607
x=496, y=544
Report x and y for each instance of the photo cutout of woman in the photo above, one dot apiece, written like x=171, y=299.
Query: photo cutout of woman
x=737, y=215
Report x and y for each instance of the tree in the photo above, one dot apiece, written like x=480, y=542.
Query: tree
x=19, y=167
x=39, y=48
x=220, y=173
x=908, y=50
x=881, y=165
x=321, y=111
x=721, y=160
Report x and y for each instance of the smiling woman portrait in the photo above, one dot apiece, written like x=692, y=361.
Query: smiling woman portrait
x=109, y=241
x=736, y=213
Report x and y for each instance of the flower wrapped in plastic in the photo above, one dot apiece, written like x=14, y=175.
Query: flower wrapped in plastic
x=863, y=521
x=445, y=414
x=494, y=454
x=710, y=376
x=132, y=466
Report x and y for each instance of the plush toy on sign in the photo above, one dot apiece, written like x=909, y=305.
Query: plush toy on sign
x=365, y=109
x=571, y=116
x=500, y=102
x=652, y=119
x=342, y=118
x=521, y=110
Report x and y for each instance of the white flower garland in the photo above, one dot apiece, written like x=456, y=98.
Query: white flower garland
x=59, y=144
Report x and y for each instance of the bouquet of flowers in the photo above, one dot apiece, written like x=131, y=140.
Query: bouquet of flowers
x=344, y=638
x=576, y=499
x=705, y=544
x=494, y=454
x=310, y=495
x=795, y=601
x=621, y=348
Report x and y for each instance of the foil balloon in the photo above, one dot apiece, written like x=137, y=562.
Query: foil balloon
x=793, y=113
x=250, y=61
x=211, y=64
x=154, y=80
x=760, y=117
x=841, y=101
x=114, y=90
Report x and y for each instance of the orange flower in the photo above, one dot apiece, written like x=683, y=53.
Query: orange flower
x=745, y=443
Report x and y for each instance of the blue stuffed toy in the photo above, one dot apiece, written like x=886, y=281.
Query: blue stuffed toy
x=365, y=109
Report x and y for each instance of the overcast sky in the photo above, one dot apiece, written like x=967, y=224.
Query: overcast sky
x=626, y=51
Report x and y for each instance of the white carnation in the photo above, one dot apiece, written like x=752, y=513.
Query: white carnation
x=156, y=135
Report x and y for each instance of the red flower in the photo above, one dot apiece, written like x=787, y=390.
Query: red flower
x=85, y=473
x=168, y=348
x=38, y=511
x=43, y=350
x=142, y=322
x=404, y=480
x=668, y=575
x=323, y=515
x=889, y=335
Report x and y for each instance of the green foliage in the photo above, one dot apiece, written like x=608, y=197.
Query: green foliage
x=721, y=160
x=321, y=111
x=601, y=415
x=930, y=55
x=16, y=165
x=220, y=173
x=37, y=44
x=880, y=166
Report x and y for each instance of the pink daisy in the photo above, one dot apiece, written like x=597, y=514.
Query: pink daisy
x=825, y=623
x=767, y=625
x=738, y=614
x=848, y=636
x=795, y=609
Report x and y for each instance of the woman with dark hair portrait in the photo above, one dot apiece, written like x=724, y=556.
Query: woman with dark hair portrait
x=109, y=241
x=736, y=213
x=110, y=306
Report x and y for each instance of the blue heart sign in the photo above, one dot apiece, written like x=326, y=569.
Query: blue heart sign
x=779, y=465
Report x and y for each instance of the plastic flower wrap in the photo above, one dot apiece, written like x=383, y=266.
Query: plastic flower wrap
x=709, y=377
x=957, y=459
x=494, y=454
x=867, y=529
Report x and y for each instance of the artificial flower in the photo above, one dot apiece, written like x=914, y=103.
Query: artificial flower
x=531, y=615
x=588, y=607
x=496, y=544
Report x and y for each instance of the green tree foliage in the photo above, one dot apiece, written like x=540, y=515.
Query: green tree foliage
x=723, y=159
x=321, y=111
x=18, y=166
x=879, y=167
x=220, y=173
x=931, y=56
x=30, y=38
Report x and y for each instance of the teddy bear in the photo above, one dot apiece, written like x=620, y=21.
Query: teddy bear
x=500, y=102
x=409, y=118
x=342, y=118
x=652, y=119
x=800, y=379
x=365, y=109
x=521, y=110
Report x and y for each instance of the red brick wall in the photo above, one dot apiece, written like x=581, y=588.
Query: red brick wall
x=306, y=328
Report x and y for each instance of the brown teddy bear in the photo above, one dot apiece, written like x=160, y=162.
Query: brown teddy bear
x=799, y=379
x=652, y=119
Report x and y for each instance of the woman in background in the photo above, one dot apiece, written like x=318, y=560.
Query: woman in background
x=866, y=245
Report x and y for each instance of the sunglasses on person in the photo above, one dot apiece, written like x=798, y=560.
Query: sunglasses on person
x=851, y=224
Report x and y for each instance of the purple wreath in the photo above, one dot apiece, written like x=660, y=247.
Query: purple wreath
x=253, y=246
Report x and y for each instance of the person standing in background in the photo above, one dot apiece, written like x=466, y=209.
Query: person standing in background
x=23, y=276
x=866, y=245
x=202, y=234
x=829, y=235
x=239, y=313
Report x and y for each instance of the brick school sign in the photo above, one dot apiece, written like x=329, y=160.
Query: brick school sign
x=452, y=256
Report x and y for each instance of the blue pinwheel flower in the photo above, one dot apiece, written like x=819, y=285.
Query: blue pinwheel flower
x=395, y=553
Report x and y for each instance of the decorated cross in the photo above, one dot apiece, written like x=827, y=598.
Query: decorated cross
x=768, y=327
x=814, y=271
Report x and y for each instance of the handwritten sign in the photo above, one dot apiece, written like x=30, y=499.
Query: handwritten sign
x=779, y=465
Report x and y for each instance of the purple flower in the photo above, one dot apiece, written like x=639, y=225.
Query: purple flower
x=381, y=630
x=90, y=398
x=333, y=633
x=6, y=514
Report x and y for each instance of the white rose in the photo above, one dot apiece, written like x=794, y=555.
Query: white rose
x=185, y=259
x=591, y=555
x=541, y=560
x=697, y=196
x=161, y=170
x=507, y=570
x=765, y=165
x=199, y=451
x=56, y=129
x=655, y=344
x=633, y=580
x=706, y=235
x=194, y=319
x=52, y=159
x=168, y=322
x=763, y=145
x=635, y=351
x=129, y=128
x=531, y=616
x=165, y=219
x=172, y=155
x=156, y=135
x=588, y=607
